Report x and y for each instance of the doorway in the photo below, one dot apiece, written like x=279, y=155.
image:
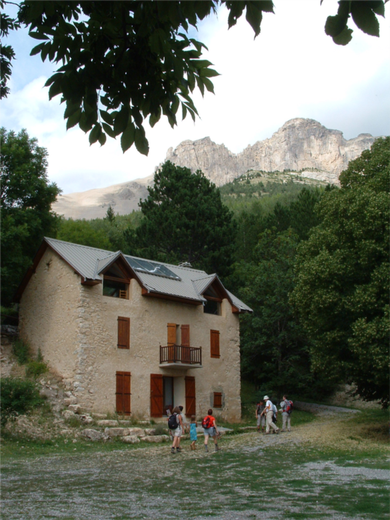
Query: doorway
x=168, y=393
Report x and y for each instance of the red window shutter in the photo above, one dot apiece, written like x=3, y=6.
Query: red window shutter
x=185, y=335
x=156, y=395
x=217, y=400
x=190, y=396
x=185, y=342
x=123, y=332
x=123, y=394
x=171, y=334
x=214, y=344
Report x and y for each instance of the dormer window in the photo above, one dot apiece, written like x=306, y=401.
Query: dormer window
x=116, y=283
x=213, y=303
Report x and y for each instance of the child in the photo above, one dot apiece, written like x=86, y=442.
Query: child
x=193, y=433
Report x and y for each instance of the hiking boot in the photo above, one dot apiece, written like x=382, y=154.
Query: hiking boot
x=277, y=431
x=178, y=450
x=206, y=447
x=217, y=448
x=173, y=450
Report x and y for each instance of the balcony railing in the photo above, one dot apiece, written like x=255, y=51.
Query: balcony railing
x=177, y=354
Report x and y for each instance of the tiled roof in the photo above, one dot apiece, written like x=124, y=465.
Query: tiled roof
x=185, y=282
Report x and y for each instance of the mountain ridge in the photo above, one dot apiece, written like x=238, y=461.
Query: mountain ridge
x=300, y=145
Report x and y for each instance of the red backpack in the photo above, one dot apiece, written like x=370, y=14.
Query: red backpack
x=206, y=422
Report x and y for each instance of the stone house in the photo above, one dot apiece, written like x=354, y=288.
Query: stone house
x=133, y=336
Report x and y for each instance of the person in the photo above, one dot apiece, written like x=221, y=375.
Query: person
x=269, y=412
x=285, y=406
x=183, y=422
x=275, y=415
x=193, y=433
x=178, y=432
x=211, y=431
x=259, y=417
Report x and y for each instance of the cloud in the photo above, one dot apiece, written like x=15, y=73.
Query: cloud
x=292, y=69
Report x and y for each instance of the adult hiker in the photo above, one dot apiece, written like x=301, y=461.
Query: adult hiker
x=286, y=407
x=260, y=419
x=178, y=431
x=209, y=426
x=269, y=412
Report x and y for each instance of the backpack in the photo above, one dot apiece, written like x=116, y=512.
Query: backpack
x=172, y=422
x=289, y=407
x=206, y=422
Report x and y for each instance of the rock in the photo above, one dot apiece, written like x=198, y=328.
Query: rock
x=93, y=435
x=70, y=400
x=68, y=414
x=106, y=422
x=156, y=438
x=150, y=431
x=99, y=416
x=117, y=432
x=137, y=431
x=131, y=439
x=75, y=408
x=86, y=419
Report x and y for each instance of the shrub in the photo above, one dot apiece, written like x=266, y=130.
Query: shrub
x=21, y=350
x=17, y=396
x=35, y=369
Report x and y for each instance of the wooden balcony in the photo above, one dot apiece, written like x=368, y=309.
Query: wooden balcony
x=178, y=356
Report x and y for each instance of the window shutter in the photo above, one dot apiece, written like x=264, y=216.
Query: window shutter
x=190, y=396
x=217, y=400
x=123, y=332
x=156, y=395
x=171, y=334
x=214, y=344
x=123, y=399
x=185, y=342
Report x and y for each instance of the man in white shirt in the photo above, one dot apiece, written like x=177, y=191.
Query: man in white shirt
x=269, y=412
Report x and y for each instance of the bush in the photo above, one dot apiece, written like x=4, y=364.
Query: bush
x=21, y=350
x=35, y=369
x=17, y=396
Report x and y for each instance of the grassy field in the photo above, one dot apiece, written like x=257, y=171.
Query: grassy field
x=331, y=467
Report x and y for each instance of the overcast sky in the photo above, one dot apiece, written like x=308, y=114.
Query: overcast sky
x=291, y=70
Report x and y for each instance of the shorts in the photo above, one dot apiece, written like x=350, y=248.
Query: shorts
x=177, y=432
x=210, y=431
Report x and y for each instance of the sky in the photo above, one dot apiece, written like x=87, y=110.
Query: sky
x=292, y=69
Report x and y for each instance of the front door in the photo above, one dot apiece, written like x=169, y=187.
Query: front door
x=168, y=395
x=123, y=404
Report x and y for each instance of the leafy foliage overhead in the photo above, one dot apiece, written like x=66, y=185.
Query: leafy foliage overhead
x=343, y=277
x=123, y=62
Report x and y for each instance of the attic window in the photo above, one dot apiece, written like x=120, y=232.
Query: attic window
x=213, y=303
x=115, y=283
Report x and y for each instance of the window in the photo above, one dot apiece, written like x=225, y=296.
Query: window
x=116, y=283
x=214, y=344
x=217, y=401
x=123, y=332
x=213, y=303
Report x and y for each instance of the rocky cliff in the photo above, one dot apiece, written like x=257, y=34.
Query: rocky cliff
x=300, y=145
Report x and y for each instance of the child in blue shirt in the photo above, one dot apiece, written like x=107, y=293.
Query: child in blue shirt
x=193, y=433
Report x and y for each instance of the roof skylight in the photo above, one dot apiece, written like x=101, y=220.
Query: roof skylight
x=145, y=266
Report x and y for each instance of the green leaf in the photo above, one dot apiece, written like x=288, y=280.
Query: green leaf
x=55, y=89
x=365, y=18
x=254, y=17
x=121, y=120
x=38, y=36
x=335, y=25
x=73, y=119
x=109, y=131
x=102, y=139
x=107, y=117
x=37, y=49
x=344, y=37
x=378, y=7
x=128, y=136
x=154, y=118
x=95, y=133
x=141, y=143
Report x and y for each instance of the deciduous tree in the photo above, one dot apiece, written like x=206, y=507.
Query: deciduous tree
x=26, y=197
x=343, y=277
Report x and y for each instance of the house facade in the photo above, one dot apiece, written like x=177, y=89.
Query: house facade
x=133, y=336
